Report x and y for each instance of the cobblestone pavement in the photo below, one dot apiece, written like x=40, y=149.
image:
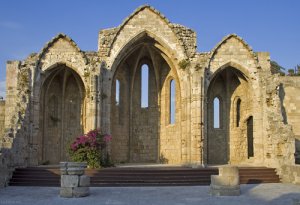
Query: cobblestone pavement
x=275, y=194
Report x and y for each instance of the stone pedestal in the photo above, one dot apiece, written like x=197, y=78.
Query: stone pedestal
x=73, y=182
x=227, y=183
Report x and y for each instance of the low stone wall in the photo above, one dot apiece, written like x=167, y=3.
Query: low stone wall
x=73, y=181
x=290, y=174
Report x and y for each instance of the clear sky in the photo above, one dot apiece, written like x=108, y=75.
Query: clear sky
x=266, y=25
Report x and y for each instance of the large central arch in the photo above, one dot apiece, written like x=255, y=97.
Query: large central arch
x=61, y=112
x=144, y=134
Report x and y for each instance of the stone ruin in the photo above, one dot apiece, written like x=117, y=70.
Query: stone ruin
x=56, y=94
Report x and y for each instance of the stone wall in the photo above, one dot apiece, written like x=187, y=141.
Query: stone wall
x=14, y=144
x=279, y=140
x=2, y=117
x=291, y=174
x=289, y=91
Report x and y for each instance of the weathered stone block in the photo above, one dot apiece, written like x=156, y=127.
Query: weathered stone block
x=66, y=192
x=219, y=180
x=69, y=181
x=77, y=164
x=227, y=183
x=81, y=191
x=63, y=168
x=228, y=170
x=84, y=181
x=75, y=170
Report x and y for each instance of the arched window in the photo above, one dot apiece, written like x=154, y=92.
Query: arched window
x=172, y=101
x=144, y=85
x=216, y=111
x=117, y=92
x=238, y=112
x=250, y=137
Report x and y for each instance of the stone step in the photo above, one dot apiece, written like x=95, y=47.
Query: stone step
x=170, y=176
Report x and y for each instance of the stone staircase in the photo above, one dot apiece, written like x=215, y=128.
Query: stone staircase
x=155, y=176
x=257, y=175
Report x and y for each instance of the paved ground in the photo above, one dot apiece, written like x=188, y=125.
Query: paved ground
x=275, y=194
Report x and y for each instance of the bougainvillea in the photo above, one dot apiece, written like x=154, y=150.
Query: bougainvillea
x=91, y=148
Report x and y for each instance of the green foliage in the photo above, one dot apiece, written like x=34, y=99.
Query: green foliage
x=295, y=71
x=91, y=148
x=86, y=74
x=276, y=68
x=291, y=72
x=183, y=64
x=89, y=155
x=46, y=162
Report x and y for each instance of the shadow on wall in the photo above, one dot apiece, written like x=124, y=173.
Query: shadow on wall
x=297, y=153
x=281, y=94
x=163, y=159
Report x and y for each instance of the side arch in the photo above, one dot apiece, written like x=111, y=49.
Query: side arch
x=232, y=48
x=225, y=144
x=225, y=39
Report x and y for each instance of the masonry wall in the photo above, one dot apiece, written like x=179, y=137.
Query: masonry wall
x=289, y=92
x=2, y=117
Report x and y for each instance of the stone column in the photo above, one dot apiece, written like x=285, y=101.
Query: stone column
x=73, y=182
x=227, y=183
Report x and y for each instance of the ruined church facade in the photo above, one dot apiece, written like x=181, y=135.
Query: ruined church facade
x=225, y=106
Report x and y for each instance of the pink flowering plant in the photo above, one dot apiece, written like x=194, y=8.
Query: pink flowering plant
x=90, y=148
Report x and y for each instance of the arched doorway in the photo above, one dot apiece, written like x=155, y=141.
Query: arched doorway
x=61, y=112
x=229, y=102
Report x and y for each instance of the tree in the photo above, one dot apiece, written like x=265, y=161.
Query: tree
x=294, y=71
x=276, y=68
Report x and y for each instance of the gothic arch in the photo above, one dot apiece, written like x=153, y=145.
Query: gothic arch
x=171, y=39
x=135, y=42
x=245, y=73
x=233, y=49
x=59, y=36
x=63, y=51
x=62, y=90
x=229, y=83
x=226, y=38
x=135, y=130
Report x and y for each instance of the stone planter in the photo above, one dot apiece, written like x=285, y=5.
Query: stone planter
x=73, y=182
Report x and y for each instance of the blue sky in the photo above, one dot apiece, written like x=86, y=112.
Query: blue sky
x=267, y=25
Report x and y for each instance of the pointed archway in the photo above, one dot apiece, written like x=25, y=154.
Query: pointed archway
x=61, y=112
x=229, y=104
x=141, y=104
